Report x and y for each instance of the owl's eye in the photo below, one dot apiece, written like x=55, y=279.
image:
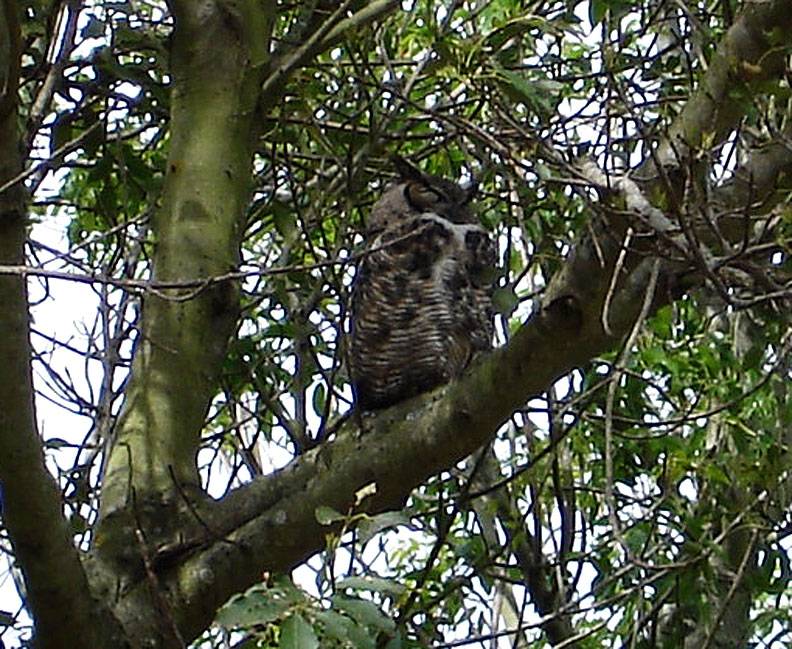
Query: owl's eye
x=422, y=196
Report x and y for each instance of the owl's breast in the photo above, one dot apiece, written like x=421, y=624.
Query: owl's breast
x=417, y=317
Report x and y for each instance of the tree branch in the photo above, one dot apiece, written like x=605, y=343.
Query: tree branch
x=325, y=36
x=218, y=50
x=753, y=51
x=58, y=593
x=197, y=230
x=400, y=448
x=65, y=41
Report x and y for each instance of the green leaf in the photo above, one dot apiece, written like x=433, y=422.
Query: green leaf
x=377, y=584
x=122, y=6
x=319, y=399
x=505, y=300
x=364, y=612
x=246, y=611
x=597, y=10
x=376, y=524
x=334, y=624
x=94, y=28
x=296, y=633
x=62, y=132
x=58, y=442
x=395, y=642
x=347, y=630
x=78, y=524
x=261, y=604
x=327, y=515
x=520, y=85
x=284, y=218
x=360, y=639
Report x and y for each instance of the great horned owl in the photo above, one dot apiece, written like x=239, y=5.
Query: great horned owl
x=422, y=299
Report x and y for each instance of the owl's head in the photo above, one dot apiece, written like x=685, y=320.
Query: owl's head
x=417, y=193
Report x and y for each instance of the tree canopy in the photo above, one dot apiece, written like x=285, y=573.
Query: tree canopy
x=615, y=473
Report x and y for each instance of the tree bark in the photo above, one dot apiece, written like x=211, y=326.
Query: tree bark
x=151, y=498
x=218, y=57
x=30, y=499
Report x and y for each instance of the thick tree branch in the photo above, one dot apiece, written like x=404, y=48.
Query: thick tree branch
x=753, y=51
x=218, y=68
x=403, y=446
x=10, y=59
x=220, y=52
x=369, y=14
x=197, y=230
x=60, y=600
x=763, y=182
x=427, y=435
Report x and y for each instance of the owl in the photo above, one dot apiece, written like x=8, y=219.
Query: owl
x=422, y=297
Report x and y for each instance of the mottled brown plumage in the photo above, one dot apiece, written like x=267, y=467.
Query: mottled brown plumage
x=422, y=301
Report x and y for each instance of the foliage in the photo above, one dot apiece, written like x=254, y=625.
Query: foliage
x=625, y=491
x=284, y=616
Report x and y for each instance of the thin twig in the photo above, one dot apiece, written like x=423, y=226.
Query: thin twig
x=200, y=285
x=60, y=151
x=617, y=372
x=615, y=280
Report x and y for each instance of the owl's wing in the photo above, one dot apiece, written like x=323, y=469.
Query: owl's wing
x=464, y=278
x=481, y=267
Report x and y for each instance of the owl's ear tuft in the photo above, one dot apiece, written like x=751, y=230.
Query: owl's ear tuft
x=470, y=190
x=407, y=170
